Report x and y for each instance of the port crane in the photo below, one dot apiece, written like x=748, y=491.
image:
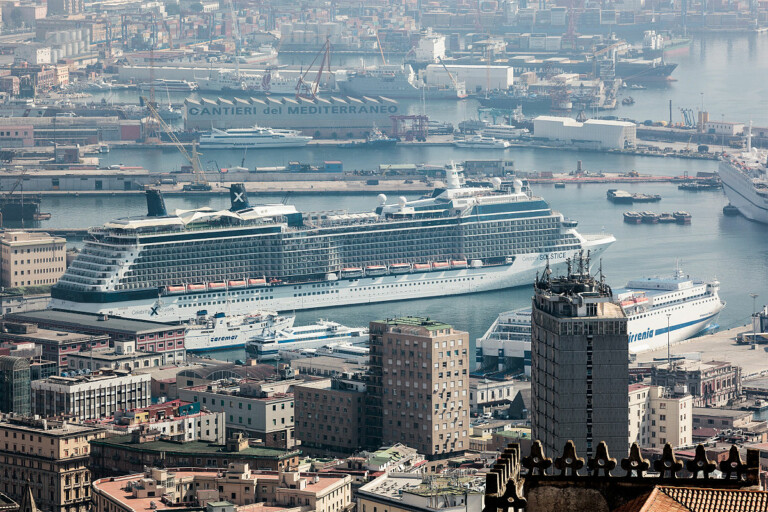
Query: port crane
x=309, y=91
x=455, y=83
x=201, y=182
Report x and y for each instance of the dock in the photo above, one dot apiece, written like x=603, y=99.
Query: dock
x=719, y=346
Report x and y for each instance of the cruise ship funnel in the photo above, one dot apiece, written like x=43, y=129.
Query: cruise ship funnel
x=155, y=204
x=238, y=197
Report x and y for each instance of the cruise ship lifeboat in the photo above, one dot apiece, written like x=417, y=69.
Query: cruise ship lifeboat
x=221, y=285
x=400, y=268
x=375, y=270
x=458, y=263
x=240, y=283
x=422, y=267
x=175, y=289
x=196, y=287
x=440, y=265
x=352, y=272
x=257, y=282
x=634, y=301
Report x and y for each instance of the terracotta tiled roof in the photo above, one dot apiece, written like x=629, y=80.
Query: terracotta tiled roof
x=654, y=501
x=718, y=500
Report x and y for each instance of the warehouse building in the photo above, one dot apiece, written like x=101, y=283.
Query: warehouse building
x=475, y=77
x=593, y=133
x=333, y=116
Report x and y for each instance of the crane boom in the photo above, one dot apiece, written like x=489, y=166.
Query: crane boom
x=455, y=83
x=194, y=159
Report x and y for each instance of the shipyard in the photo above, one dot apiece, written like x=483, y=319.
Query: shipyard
x=327, y=255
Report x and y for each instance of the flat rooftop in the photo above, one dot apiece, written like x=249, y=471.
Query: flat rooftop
x=720, y=413
x=126, y=325
x=50, y=335
x=417, y=321
x=52, y=428
x=197, y=447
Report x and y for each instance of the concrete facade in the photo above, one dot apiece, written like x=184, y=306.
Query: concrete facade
x=579, y=366
x=711, y=383
x=31, y=259
x=419, y=387
x=657, y=417
x=593, y=133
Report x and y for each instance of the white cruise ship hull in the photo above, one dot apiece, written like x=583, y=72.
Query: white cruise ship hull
x=254, y=144
x=342, y=292
x=742, y=194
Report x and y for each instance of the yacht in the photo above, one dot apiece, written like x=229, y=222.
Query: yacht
x=169, y=85
x=481, y=142
x=252, y=138
x=268, y=346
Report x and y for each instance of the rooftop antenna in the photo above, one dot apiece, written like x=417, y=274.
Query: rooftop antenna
x=569, y=266
x=581, y=262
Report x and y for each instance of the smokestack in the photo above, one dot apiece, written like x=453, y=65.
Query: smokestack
x=155, y=204
x=238, y=197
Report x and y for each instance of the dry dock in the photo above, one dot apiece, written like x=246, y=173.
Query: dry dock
x=720, y=346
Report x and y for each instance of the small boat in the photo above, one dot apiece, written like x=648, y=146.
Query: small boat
x=619, y=196
x=220, y=285
x=458, y=263
x=729, y=209
x=682, y=217
x=667, y=218
x=197, y=287
x=239, y=283
x=646, y=198
x=559, y=184
x=439, y=265
x=480, y=142
x=41, y=216
x=268, y=346
x=649, y=217
x=351, y=272
x=632, y=218
x=400, y=268
x=175, y=289
x=375, y=270
x=423, y=267
x=629, y=100
x=257, y=282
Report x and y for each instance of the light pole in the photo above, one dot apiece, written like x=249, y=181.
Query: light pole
x=669, y=345
x=754, y=312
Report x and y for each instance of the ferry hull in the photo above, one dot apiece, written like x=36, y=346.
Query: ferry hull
x=342, y=292
x=218, y=338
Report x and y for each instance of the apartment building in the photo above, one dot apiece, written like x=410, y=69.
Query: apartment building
x=258, y=409
x=658, y=416
x=419, y=386
x=31, y=259
x=711, y=383
x=89, y=397
x=52, y=458
x=56, y=345
x=330, y=416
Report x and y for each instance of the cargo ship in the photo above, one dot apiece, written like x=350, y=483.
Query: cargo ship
x=458, y=240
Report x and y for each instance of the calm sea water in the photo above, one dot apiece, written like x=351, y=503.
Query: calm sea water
x=730, y=71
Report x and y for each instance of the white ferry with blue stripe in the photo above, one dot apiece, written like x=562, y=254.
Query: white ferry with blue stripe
x=678, y=305
x=458, y=240
x=268, y=346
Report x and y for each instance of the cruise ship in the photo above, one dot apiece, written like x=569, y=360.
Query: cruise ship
x=269, y=346
x=231, y=331
x=396, y=82
x=745, y=181
x=458, y=240
x=693, y=307
x=252, y=138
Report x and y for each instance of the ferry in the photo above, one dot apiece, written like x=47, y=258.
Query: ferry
x=343, y=350
x=481, y=142
x=745, y=181
x=169, y=85
x=318, y=259
x=252, y=138
x=231, y=331
x=267, y=346
x=503, y=131
x=659, y=310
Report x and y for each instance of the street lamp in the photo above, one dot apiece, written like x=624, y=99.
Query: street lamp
x=754, y=312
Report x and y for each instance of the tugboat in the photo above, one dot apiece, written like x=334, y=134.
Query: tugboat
x=632, y=218
x=682, y=217
x=650, y=217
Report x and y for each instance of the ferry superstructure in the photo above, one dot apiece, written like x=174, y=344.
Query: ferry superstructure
x=252, y=138
x=745, y=181
x=269, y=346
x=231, y=331
x=692, y=306
x=459, y=240
x=394, y=81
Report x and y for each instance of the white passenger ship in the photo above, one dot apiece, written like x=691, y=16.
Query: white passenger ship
x=745, y=181
x=678, y=305
x=272, y=257
x=269, y=345
x=231, y=331
x=252, y=138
